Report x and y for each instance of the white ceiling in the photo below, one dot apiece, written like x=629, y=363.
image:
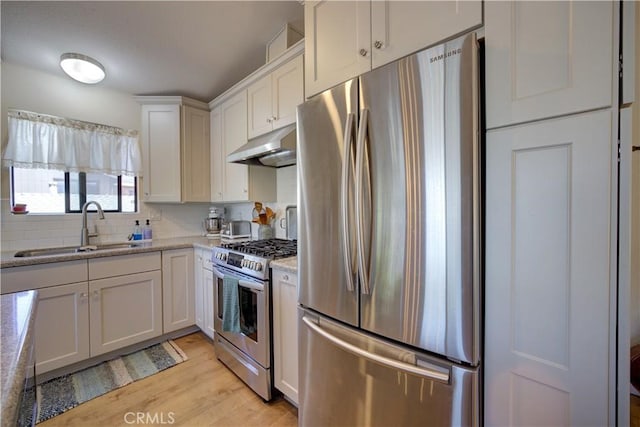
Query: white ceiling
x=195, y=49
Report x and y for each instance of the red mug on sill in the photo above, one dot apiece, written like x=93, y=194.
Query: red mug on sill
x=19, y=207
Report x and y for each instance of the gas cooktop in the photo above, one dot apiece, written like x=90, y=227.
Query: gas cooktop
x=267, y=248
x=253, y=257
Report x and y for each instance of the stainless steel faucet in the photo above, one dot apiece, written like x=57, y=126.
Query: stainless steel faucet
x=84, y=238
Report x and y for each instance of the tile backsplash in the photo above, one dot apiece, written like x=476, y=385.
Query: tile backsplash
x=34, y=231
x=41, y=231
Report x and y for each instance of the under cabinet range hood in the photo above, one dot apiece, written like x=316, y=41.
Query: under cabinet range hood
x=275, y=149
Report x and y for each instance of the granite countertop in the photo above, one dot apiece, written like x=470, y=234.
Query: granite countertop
x=16, y=332
x=7, y=258
x=290, y=265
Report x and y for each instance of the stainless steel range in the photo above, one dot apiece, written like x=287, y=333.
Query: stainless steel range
x=248, y=353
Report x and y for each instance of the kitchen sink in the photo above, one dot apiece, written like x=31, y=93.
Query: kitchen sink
x=72, y=249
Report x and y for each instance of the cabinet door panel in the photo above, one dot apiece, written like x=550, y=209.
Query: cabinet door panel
x=399, y=28
x=335, y=34
x=195, y=155
x=62, y=326
x=547, y=272
x=535, y=71
x=161, y=153
x=125, y=310
x=259, y=114
x=234, y=135
x=285, y=333
x=288, y=92
x=217, y=155
x=209, y=302
x=178, y=289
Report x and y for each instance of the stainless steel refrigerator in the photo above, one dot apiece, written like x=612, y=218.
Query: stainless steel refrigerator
x=388, y=245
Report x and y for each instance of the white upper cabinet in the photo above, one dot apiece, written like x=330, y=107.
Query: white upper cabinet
x=274, y=98
x=195, y=155
x=217, y=161
x=337, y=42
x=545, y=59
x=234, y=135
x=345, y=39
x=175, y=143
x=236, y=182
x=161, y=153
x=399, y=28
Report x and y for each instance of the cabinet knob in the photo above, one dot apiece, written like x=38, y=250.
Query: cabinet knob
x=363, y=52
x=274, y=118
x=96, y=294
x=285, y=277
x=84, y=295
x=378, y=44
x=268, y=119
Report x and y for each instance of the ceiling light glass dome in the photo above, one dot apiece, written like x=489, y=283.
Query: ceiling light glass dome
x=82, y=68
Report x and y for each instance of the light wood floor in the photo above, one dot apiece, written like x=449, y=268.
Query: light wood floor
x=198, y=392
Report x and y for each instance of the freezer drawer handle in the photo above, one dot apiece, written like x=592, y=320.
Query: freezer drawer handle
x=437, y=374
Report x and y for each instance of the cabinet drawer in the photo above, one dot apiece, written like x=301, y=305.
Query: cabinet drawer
x=16, y=279
x=125, y=264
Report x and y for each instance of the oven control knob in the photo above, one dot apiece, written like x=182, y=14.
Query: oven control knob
x=223, y=257
x=252, y=265
x=258, y=266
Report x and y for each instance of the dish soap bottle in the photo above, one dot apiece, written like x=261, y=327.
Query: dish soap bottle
x=137, y=232
x=146, y=231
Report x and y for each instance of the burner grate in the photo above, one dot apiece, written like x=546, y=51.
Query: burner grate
x=270, y=248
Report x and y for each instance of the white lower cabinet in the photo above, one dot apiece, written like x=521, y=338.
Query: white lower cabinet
x=547, y=292
x=204, y=291
x=125, y=310
x=285, y=333
x=178, y=289
x=62, y=326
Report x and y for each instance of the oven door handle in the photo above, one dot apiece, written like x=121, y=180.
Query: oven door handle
x=241, y=282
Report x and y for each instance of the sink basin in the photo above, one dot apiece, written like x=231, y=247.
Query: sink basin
x=72, y=249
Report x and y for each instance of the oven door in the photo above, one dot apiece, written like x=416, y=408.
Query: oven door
x=253, y=340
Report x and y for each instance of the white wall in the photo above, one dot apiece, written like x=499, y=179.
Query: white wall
x=28, y=89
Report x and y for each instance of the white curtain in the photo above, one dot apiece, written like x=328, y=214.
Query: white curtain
x=39, y=141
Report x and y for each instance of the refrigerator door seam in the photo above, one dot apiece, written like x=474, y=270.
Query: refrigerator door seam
x=433, y=373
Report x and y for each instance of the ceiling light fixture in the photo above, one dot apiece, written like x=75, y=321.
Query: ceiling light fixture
x=82, y=68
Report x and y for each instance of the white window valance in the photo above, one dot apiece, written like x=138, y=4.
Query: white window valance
x=40, y=141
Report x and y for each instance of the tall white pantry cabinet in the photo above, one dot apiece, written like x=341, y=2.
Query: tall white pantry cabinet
x=550, y=240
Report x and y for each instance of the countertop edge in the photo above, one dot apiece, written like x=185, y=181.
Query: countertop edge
x=13, y=370
x=9, y=261
x=290, y=265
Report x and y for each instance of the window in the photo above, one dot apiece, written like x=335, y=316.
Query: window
x=51, y=191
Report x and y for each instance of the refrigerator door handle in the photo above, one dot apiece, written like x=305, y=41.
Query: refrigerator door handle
x=344, y=198
x=433, y=373
x=360, y=231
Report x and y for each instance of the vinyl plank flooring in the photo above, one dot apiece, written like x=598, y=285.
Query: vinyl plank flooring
x=198, y=392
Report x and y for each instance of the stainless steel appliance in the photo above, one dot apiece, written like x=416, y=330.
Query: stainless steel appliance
x=236, y=230
x=274, y=149
x=389, y=240
x=213, y=223
x=248, y=352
